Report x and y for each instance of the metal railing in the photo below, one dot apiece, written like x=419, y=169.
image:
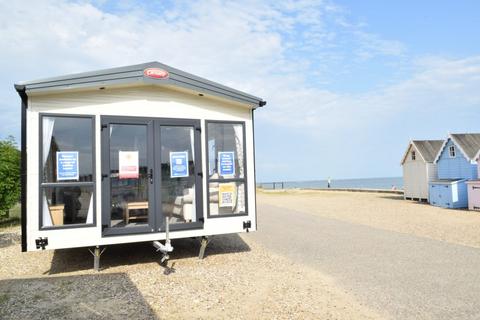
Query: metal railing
x=271, y=185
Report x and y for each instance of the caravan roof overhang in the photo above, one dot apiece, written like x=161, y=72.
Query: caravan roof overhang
x=145, y=74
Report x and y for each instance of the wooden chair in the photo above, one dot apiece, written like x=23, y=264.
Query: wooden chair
x=56, y=213
x=135, y=206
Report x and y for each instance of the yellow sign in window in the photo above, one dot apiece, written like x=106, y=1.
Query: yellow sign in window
x=227, y=193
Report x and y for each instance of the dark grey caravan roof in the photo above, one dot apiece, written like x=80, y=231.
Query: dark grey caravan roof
x=138, y=74
x=428, y=148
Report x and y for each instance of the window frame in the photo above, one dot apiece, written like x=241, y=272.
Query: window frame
x=414, y=155
x=42, y=185
x=244, y=179
x=450, y=149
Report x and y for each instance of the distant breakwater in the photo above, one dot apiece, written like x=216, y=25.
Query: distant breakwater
x=368, y=184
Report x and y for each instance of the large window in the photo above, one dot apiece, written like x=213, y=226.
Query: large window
x=227, y=185
x=67, y=175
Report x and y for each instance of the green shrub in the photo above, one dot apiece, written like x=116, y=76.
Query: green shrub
x=9, y=175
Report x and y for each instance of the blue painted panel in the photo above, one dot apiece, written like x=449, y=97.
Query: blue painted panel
x=455, y=168
x=432, y=194
x=440, y=196
x=452, y=195
x=445, y=195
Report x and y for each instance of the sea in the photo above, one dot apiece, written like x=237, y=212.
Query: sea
x=387, y=183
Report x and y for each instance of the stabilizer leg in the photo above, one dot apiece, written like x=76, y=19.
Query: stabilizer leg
x=203, y=246
x=96, y=257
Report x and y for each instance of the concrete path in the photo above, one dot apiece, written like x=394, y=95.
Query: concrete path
x=400, y=275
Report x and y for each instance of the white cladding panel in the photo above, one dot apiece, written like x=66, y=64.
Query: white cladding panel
x=432, y=171
x=415, y=176
x=152, y=102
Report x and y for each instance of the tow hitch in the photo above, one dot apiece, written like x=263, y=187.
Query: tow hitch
x=166, y=248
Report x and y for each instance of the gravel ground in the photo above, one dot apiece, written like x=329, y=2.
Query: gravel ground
x=238, y=279
x=383, y=211
x=403, y=275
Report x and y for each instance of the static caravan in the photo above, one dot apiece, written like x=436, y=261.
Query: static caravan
x=473, y=188
x=135, y=154
x=455, y=166
x=419, y=169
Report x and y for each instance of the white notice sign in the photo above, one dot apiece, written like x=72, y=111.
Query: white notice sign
x=128, y=164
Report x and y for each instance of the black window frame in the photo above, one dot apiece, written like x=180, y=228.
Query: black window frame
x=43, y=185
x=220, y=180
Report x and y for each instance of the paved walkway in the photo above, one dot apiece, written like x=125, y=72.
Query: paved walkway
x=400, y=275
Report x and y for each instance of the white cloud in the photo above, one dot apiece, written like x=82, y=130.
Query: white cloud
x=248, y=37
x=280, y=51
x=439, y=86
x=255, y=46
x=247, y=46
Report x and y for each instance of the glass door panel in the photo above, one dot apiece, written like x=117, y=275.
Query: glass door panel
x=129, y=179
x=177, y=186
x=128, y=166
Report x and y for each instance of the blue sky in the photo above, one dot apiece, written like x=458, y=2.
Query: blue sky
x=348, y=83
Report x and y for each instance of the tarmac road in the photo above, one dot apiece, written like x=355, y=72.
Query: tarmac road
x=399, y=275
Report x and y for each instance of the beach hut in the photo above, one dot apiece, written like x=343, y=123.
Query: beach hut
x=455, y=166
x=419, y=168
x=473, y=187
x=134, y=154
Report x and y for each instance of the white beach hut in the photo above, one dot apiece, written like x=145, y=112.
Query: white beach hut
x=133, y=154
x=419, y=168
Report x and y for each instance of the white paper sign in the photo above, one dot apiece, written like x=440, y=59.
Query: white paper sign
x=128, y=164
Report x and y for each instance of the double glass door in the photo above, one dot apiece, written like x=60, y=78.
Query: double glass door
x=151, y=174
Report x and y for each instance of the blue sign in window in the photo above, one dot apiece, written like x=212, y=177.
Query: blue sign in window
x=178, y=164
x=226, y=163
x=67, y=165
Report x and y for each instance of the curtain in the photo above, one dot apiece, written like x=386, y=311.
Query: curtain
x=211, y=157
x=46, y=218
x=90, y=212
x=240, y=203
x=192, y=141
x=47, y=126
x=192, y=190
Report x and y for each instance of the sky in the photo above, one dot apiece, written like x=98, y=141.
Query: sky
x=347, y=83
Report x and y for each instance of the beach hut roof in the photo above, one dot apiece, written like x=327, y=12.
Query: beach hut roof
x=427, y=149
x=468, y=143
x=151, y=74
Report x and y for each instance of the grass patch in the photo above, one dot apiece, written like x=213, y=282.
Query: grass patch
x=4, y=298
x=14, y=217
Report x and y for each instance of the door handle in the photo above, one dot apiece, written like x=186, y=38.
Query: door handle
x=150, y=176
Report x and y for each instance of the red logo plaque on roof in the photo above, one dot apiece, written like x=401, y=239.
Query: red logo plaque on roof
x=156, y=73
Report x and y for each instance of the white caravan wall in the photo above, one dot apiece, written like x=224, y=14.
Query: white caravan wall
x=155, y=102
